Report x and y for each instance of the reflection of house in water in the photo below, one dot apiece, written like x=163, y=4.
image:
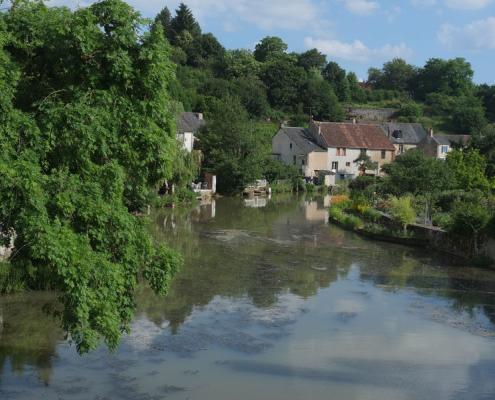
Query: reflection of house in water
x=315, y=212
x=207, y=209
x=256, y=202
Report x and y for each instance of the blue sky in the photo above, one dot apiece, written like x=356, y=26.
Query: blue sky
x=357, y=34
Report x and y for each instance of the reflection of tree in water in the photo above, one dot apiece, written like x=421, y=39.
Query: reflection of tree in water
x=468, y=288
x=253, y=263
x=29, y=335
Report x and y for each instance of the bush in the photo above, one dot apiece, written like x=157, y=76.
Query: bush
x=402, y=210
x=349, y=221
x=353, y=222
x=11, y=280
x=341, y=201
x=341, y=188
x=410, y=112
x=442, y=220
x=371, y=215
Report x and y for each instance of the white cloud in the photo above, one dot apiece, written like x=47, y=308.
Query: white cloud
x=477, y=35
x=267, y=15
x=468, y=4
x=358, y=51
x=361, y=7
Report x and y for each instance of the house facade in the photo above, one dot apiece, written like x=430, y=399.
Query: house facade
x=188, y=125
x=295, y=146
x=346, y=142
x=439, y=146
x=331, y=149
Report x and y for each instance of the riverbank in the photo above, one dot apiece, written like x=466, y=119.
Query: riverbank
x=376, y=225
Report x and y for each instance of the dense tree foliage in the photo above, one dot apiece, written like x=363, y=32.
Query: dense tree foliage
x=86, y=137
x=235, y=147
x=414, y=172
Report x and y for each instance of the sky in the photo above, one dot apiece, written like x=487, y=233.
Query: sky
x=358, y=34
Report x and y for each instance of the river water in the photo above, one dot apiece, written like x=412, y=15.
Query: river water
x=273, y=303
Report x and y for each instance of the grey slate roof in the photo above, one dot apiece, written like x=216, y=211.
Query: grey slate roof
x=405, y=133
x=189, y=122
x=302, y=139
x=448, y=140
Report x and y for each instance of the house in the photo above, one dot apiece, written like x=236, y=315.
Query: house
x=404, y=136
x=188, y=126
x=346, y=142
x=295, y=146
x=440, y=145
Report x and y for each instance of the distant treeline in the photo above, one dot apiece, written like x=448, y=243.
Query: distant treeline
x=270, y=82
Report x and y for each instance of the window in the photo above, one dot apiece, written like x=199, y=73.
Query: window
x=341, y=151
x=335, y=165
x=445, y=149
x=347, y=164
x=384, y=154
x=290, y=145
x=303, y=162
x=363, y=152
x=294, y=160
x=401, y=149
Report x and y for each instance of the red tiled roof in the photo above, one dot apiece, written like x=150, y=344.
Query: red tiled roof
x=355, y=136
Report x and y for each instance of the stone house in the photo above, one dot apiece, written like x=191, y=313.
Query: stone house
x=346, y=142
x=295, y=146
x=404, y=136
x=188, y=126
x=439, y=146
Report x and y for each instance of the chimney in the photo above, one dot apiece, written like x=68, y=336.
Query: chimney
x=354, y=121
x=430, y=132
x=200, y=116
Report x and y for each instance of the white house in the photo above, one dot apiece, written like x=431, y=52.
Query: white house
x=346, y=142
x=188, y=126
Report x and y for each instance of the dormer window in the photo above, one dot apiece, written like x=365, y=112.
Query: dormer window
x=397, y=134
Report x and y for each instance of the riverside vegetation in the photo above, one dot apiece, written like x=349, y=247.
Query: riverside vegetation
x=88, y=100
x=455, y=195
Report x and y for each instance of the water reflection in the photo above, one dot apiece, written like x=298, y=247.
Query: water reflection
x=276, y=296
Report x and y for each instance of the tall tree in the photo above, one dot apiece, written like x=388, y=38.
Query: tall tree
x=184, y=21
x=90, y=141
x=312, y=59
x=451, y=77
x=232, y=146
x=164, y=18
x=487, y=95
x=319, y=98
x=469, y=170
x=337, y=78
x=283, y=79
x=270, y=48
x=468, y=115
x=395, y=75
